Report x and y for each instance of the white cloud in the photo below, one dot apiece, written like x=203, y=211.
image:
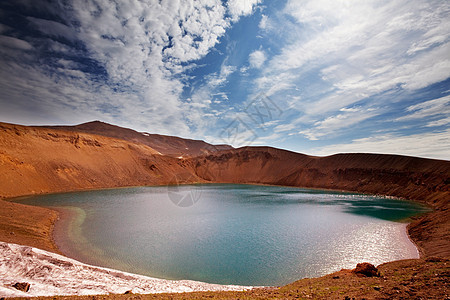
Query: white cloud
x=202, y=117
x=244, y=70
x=263, y=23
x=284, y=127
x=13, y=43
x=145, y=45
x=440, y=122
x=53, y=28
x=430, y=108
x=430, y=145
x=239, y=8
x=332, y=124
x=267, y=139
x=219, y=79
x=257, y=58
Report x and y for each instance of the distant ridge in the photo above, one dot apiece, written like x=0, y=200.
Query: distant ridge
x=165, y=144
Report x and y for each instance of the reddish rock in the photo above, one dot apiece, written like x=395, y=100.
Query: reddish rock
x=22, y=286
x=366, y=269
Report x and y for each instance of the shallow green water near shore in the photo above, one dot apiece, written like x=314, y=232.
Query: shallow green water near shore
x=230, y=234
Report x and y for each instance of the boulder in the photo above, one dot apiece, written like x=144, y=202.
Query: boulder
x=22, y=286
x=366, y=269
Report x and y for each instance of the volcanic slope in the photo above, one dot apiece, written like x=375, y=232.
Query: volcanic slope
x=164, y=144
x=36, y=160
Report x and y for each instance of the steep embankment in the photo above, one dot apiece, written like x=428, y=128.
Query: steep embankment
x=40, y=160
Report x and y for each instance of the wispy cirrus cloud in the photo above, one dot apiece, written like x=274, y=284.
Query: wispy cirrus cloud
x=359, y=51
x=432, y=109
x=429, y=144
x=345, y=118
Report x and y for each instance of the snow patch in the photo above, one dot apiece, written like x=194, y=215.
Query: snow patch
x=50, y=274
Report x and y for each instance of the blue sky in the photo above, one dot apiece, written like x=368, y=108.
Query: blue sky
x=318, y=77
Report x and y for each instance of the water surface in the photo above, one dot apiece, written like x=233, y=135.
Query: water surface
x=233, y=234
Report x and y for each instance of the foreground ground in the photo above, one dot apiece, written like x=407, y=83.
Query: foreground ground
x=406, y=279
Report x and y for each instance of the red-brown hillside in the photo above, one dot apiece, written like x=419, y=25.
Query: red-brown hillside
x=35, y=160
x=166, y=145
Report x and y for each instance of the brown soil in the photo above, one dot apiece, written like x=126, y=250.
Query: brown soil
x=35, y=160
x=27, y=225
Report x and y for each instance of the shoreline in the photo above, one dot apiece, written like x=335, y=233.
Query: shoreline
x=62, y=227
x=29, y=225
x=419, y=249
x=45, y=271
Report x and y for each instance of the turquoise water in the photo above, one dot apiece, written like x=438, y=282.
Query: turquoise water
x=232, y=234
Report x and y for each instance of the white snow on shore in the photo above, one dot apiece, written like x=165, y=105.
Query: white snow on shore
x=51, y=274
